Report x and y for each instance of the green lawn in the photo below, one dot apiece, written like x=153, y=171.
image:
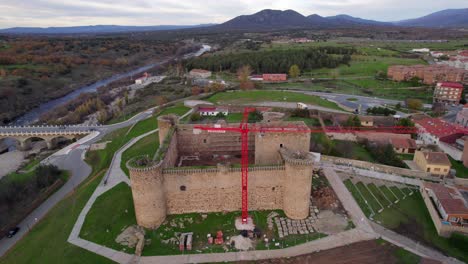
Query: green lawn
x=311, y=122
x=145, y=146
x=111, y=213
x=380, y=196
x=462, y=171
x=398, y=192
x=411, y=218
x=363, y=65
x=368, y=196
x=358, y=197
x=243, y=97
x=392, y=197
x=406, y=156
x=47, y=241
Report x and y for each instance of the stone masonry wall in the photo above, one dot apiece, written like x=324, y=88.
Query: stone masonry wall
x=203, y=142
x=267, y=146
x=219, y=189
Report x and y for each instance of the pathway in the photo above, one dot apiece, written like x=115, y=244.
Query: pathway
x=412, y=246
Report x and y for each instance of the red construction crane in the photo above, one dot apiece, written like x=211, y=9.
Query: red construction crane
x=244, y=128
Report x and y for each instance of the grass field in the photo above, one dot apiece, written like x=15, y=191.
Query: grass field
x=52, y=232
x=311, y=122
x=368, y=196
x=363, y=65
x=358, y=197
x=409, y=217
x=47, y=241
x=113, y=212
x=145, y=146
x=462, y=171
x=110, y=214
x=243, y=97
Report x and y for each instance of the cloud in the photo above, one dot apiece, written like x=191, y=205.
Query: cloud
x=44, y=13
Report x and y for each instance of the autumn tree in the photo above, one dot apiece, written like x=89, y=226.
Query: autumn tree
x=294, y=71
x=196, y=90
x=243, y=74
x=414, y=104
x=160, y=100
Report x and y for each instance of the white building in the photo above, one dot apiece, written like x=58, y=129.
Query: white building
x=199, y=73
x=212, y=111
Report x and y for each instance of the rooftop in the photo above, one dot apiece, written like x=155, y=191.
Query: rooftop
x=437, y=127
x=438, y=158
x=199, y=71
x=451, y=85
x=449, y=197
x=403, y=143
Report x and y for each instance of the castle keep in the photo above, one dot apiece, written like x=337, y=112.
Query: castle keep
x=194, y=173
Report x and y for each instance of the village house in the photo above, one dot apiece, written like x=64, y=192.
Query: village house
x=367, y=121
x=435, y=163
x=431, y=130
x=448, y=92
x=403, y=145
x=449, y=202
x=199, y=73
x=210, y=110
x=274, y=77
x=429, y=74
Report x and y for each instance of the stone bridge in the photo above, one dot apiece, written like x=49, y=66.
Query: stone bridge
x=24, y=135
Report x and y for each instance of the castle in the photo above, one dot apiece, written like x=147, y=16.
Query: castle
x=193, y=172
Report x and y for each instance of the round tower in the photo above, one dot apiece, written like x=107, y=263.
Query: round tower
x=149, y=198
x=297, y=183
x=165, y=123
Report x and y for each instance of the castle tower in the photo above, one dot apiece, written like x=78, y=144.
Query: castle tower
x=149, y=197
x=297, y=183
x=165, y=123
x=268, y=145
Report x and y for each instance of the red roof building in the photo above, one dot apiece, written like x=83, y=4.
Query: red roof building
x=448, y=92
x=403, y=145
x=275, y=77
x=432, y=129
x=449, y=202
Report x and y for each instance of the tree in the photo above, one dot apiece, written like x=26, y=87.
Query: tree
x=398, y=106
x=294, y=71
x=353, y=121
x=243, y=73
x=405, y=122
x=255, y=116
x=414, y=104
x=160, y=100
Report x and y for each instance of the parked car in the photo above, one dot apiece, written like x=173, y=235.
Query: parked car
x=13, y=231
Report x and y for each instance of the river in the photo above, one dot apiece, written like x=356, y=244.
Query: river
x=34, y=114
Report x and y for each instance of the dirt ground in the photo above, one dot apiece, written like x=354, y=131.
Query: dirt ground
x=362, y=252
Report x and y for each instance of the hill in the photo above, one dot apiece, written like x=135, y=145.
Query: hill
x=441, y=19
x=94, y=29
x=268, y=19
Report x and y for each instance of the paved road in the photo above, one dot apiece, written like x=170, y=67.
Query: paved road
x=364, y=101
x=71, y=159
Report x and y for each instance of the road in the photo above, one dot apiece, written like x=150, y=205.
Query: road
x=71, y=159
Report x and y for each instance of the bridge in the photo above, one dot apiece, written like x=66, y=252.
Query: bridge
x=24, y=135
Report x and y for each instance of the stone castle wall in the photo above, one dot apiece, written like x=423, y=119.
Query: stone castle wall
x=162, y=189
x=203, y=142
x=219, y=189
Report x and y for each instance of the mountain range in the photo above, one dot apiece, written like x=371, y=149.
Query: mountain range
x=95, y=29
x=270, y=19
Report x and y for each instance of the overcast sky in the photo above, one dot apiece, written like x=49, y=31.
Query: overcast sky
x=45, y=13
